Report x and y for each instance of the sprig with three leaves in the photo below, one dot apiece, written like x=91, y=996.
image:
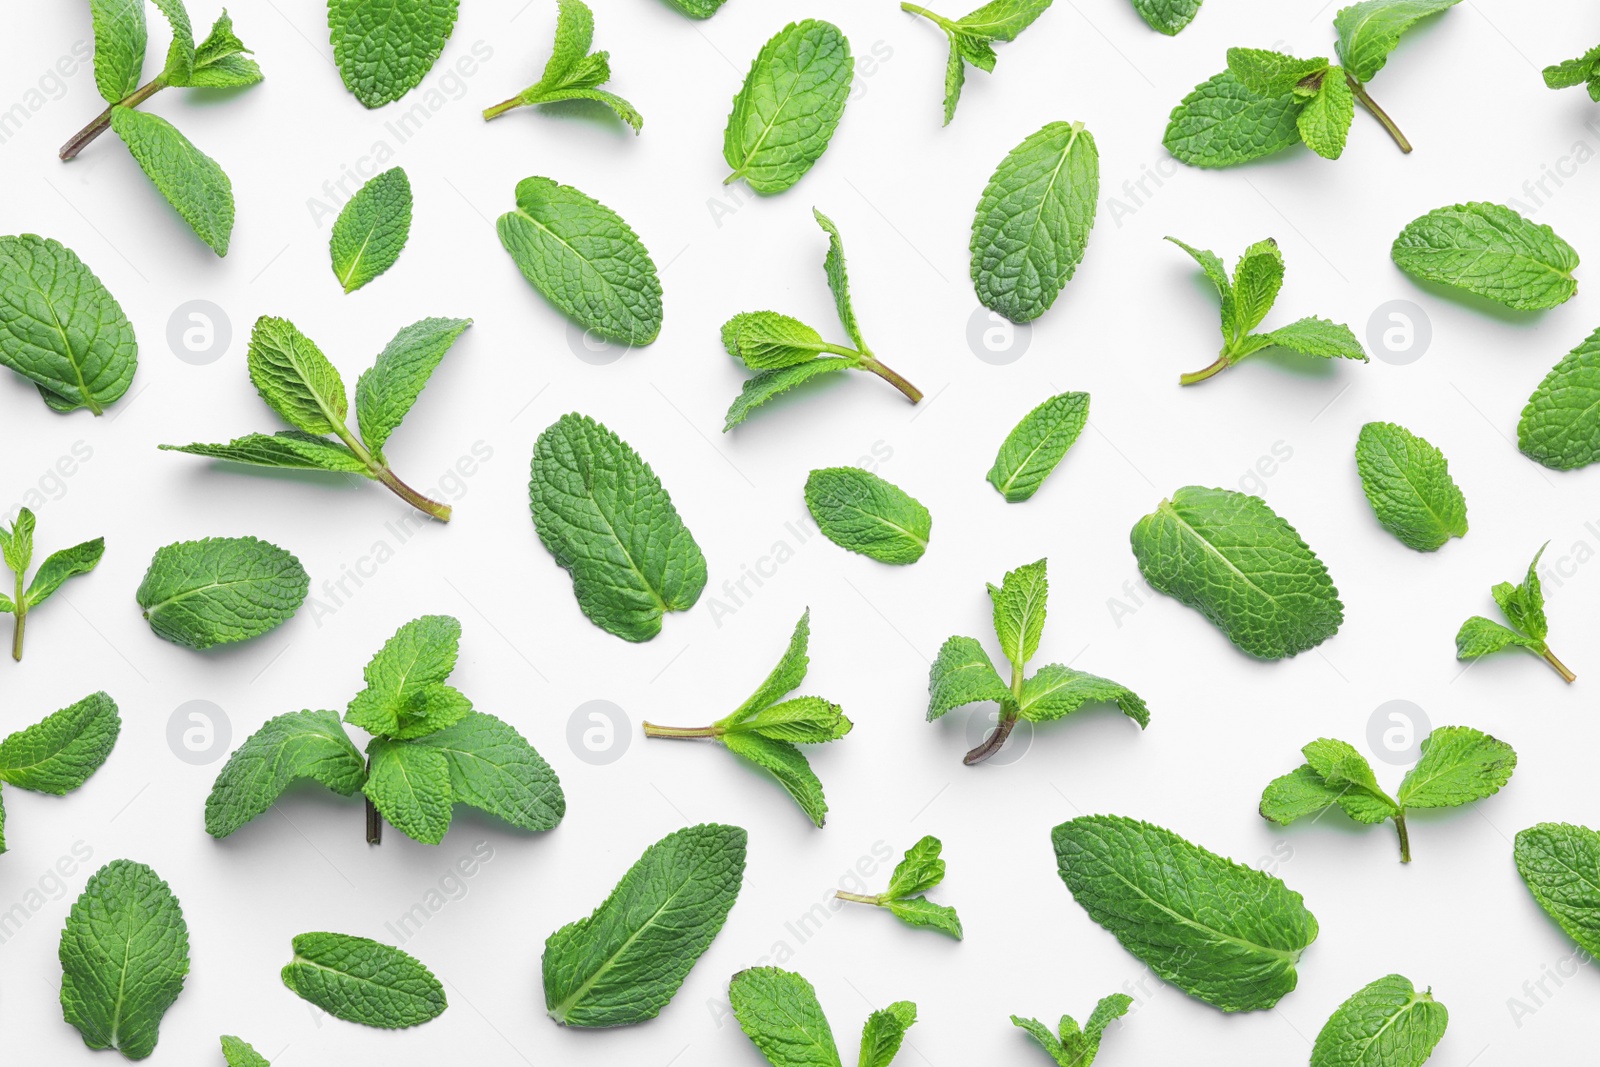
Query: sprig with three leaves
x=572, y=72
x=1522, y=605
x=920, y=870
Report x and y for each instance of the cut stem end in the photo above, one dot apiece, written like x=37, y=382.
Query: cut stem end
x=1548, y=656
x=993, y=743
x=1378, y=113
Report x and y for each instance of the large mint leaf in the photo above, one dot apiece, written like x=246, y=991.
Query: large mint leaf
x=779, y=1013
x=1230, y=557
x=1560, y=863
x=789, y=106
x=220, y=590
x=1222, y=123
x=624, y=963
x=1228, y=934
x=192, y=181
x=1491, y=251
x=120, y=37
x=1407, y=482
x=859, y=511
x=61, y=328
x=1033, y=221
x=1036, y=444
x=300, y=744
x=1369, y=31
x=601, y=512
x=494, y=769
x=124, y=954
x=1385, y=1023
x=1458, y=765
x=371, y=229
x=387, y=389
x=384, y=48
x=585, y=259
x=363, y=981
x=59, y=753
x=1560, y=426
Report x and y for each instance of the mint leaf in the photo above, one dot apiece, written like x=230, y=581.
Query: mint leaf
x=779, y=1013
x=290, y=449
x=1458, y=765
x=409, y=785
x=1245, y=302
x=1167, y=16
x=60, y=327
x=221, y=62
x=698, y=9
x=406, y=695
x=763, y=387
x=572, y=73
x=1033, y=221
x=371, y=229
x=766, y=340
x=1560, y=864
x=385, y=49
x=493, y=768
x=1341, y=767
x=585, y=260
x=765, y=728
x=124, y=954
x=1490, y=251
x=1385, y=1023
x=790, y=104
x=860, y=512
x=1523, y=607
x=1233, y=559
x=1054, y=691
x=1223, y=932
x=1019, y=609
x=220, y=590
x=624, y=963
x=287, y=748
x=884, y=1032
x=63, y=750
x=1564, y=75
x=920, y=871
x=180, y=52
x=1074, y=1047
x=295, y=379
x=1222, y=123
x=1558, y=428
x=961, y=675
x=601, y=512
x=193, y=183
x=239, y=1053
x=120, y=39
x=1369, y=31
x=1407, y=481
x=971, y=36
x=1271, y=74
x=1036, y=444
x=363, y=981
x=55, y=570
x=1324, y=122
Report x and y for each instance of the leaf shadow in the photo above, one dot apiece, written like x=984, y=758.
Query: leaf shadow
x=1480, y=304
x=590, y=113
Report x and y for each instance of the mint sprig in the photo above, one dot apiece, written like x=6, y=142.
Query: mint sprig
x=1071, y=1046
x=1585, y=70
x=972, y=39
x=919, y=871
x=1522, y=606
x=16, y=551
x=572, y=72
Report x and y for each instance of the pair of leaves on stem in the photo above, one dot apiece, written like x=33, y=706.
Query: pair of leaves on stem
x=790, y=103
x=920, y=870
x=429, y=750
x=220, y=590
x=786, y=352
x=1266, y=101
x=1458, y=765
x=61, y=328
x=623, y=964
x=779, y=1012
x=1233, y=559
x=861, y=512
x=16, y=551
x=972, y=39
x=1585, y=70
x=572, y=71
x=304, y=388
x=1070, y=1046
x=1246, y=299
x=363, y=981
x=384, y=49
x=1407, y=481
x=1221, y=931
x=192, y=182
x=1385, y=1022
x=1522, y=606
x=767, y=729
x=1490, y=251
x=1558, y=427
x=371, y=230
x=60, y=752
x=963, y=674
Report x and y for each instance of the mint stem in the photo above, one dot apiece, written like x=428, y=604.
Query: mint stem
x=501, y=108
x=858, y=898
x=102, y=122
x=1548, y=656
x=870, y=363
x=381, y=471
x=20, y=606
x=1405, y=838
x=374, y=820
x=993, y=743
x=1378, y=113
x=680, y=732
x=1201, y=375
x=943, y=22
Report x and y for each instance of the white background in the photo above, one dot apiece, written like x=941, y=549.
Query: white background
x=1466, y=88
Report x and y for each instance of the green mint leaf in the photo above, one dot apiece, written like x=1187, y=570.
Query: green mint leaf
x=1019, y=609
x=1563, y=75
x=919, y=870
x=371, y=229
x=220, y=590
x=970, y=37
x=59, y=566
x=409, y=785
x=788, y=765
x=1523, y=607
x=385, y=49
x=1167, y=16
x=493, y=768
x=783, y=678
x=778, y=1011
x=1479, y=636
x=1037, y=444
x=790, y=104
x=193, y=183
x=60, y=328
x=768, y=384
x=1557, y=427
x=1295, y=795
x=1074, y=1047
x=120, y=38
x=918, y=911
x=238, y=1053
x=585, y=260
x=1223, y=932
x=287, y=748
x=1221, y=123
x=962, y=674
x=293, y=449
x=571, y=72
x=1407, y=481
x=1033, y=221
x=1002, y=20
x=1458, y=765
x=1054, y=692
x=765, y=340
x=622, y=964
x=181, y=52
x=1342, y=768
x=1385, y=1023
x=1490, y=251
x=124, y=954
x=1214, y=270
x=1232, y=558
x=601, y=512
x=698, y=9
x=60, y=752
x=1257, y=277
x=1369, y=31
x=1324, y=122
x=17, y=542
x=386, y=391
x=885, y=1030
x=1318, y=337
x=220, y=61
x=839, y=280
x=363, y=981
x=860, y=512
x=955, y=76
x=803, y=720
x=295, y=379
x=1271, y=74
x=405, y=695
x=1560, y=864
